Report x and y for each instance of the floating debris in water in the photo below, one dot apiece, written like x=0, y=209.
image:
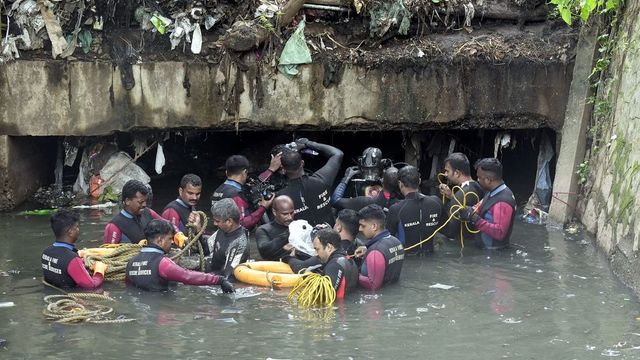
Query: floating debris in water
x=13, y=272
x=589, y=347
x=556, y=340
x=422, y=310
x=7, y=304
x=228, y=320
x=571, y=295
x=579, y=277
x=611, y=353
x=3, y=342
x=441, y=286
x=539, y=271
x=231, y=311
x=437, y=306
x=511, y=321
x=108, y=204
x=365, y=298
x=248, y=292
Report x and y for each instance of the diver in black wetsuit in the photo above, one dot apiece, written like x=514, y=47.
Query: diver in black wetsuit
x=273, y=237
x=458, y=172
x=389, y=195
x=417, y=216
x=310, y=193
x=347, y=224
x=229, y=246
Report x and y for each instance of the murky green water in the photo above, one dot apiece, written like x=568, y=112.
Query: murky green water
x=549, y=297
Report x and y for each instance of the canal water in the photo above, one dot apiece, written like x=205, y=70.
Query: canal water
x=551, y=296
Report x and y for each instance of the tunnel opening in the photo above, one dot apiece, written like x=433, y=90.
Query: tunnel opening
x=204, y=152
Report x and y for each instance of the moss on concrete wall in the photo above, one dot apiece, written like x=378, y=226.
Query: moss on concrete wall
x=611, y=196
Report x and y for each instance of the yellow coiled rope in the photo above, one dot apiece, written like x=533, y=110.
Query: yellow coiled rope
x=313, y=290
x=453, y=215
x=118, y=258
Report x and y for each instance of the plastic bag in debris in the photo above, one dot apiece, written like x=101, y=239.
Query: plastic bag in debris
x=386, y=14
x=70, y=153
x=93, y=159
x=300, y=237
x=267, y=10
x=196, y=41
x=85, y=39
x=295, y=52
x=160, y=161
x=541, y=196
x=119, y=169
x=182, y=29
x=160, y=22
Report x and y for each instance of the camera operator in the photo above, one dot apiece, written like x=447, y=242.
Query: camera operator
x=237, y=170
x=311, y=193
x=385, y=198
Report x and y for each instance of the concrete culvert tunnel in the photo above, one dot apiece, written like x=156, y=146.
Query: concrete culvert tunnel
x=204, y=152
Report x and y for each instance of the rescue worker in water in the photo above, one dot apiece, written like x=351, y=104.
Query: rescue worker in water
x=61, y=265
x=179, y=212
x=494, y=215
x=129, y=224
x=337, y=265
x=152, y=270
x=383, y=254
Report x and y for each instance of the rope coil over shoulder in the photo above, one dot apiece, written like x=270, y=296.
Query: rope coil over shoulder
x=453, y=214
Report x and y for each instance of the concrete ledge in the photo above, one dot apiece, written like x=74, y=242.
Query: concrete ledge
x=44, y=98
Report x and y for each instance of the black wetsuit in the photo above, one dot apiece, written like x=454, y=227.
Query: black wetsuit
x=452, y=230
x=224, y=251
x=311, y=193
x=413, y=219
x=384, y=199
x=271, y=237
x=348, y=247
x=342, y=271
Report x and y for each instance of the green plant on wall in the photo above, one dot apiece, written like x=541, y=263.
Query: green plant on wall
x=583, y=172
x=568, y=9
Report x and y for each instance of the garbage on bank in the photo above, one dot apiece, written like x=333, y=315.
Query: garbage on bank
x=72, y=29
x=103, y=169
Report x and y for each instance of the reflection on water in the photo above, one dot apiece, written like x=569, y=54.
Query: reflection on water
x=548, y=297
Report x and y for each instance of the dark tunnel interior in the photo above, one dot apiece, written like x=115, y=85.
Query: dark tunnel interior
x=204, y=152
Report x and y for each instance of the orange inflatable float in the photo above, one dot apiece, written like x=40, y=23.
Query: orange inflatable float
x=267, y=273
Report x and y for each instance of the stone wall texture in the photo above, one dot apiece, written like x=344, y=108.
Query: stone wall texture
x=609, y=206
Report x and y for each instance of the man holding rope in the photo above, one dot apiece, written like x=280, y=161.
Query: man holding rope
x=417, y=216
x=152, y=270
x=129, y=224
x=494, y=215
x=61, y=265
x=467, y=192
x=179, y=212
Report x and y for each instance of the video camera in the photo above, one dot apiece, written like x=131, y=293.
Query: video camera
x=257, y=190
